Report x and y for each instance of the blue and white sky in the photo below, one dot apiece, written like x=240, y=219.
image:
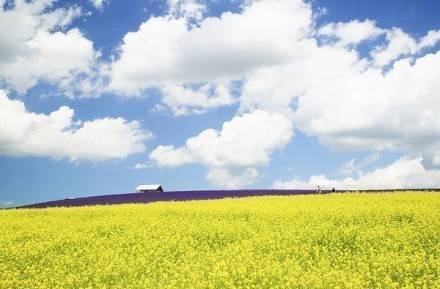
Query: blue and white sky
x=98, y=96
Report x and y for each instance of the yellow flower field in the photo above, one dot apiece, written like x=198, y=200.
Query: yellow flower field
x=387, y=240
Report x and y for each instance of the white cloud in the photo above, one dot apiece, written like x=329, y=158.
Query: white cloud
x=39, y=47
x=182, y=100
x=355, y=166
x=430, y=39
x=330, y=90
x=402, y=44
x=218, y=49
x=242, y=143
x=348, y=103
x=349, y=168
x=48, y=59
x=232, y=178
x=353, y=32
x=98, y=3
x=190, y=9
x=277, y=87
x=245, y=140
x=140, y=166
x=366, y=109
x=57, y=135
x=399, y=44
x=404, y=173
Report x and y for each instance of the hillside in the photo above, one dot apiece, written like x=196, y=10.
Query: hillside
x=381, y=240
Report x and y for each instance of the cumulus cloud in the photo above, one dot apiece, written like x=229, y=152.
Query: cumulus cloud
x=40, y=46
x=242, y=143
x=218, y=49
x=328, y=88
x=270, y=44
x=140, y=166
x=402, y=44
x=353, y=32
x=232, y=178
x=98, y=3
x=405, y=173
x=245, y=140
x=190, y=9
x=182, y=100
x=349, y=103
x=58, y=135
x=367, y=109
x=355, y=166
x=430, y=39
x=279, y=87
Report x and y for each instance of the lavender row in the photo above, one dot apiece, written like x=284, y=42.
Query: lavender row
x=165, y=196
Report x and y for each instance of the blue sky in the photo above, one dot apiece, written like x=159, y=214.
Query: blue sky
x=97, y=97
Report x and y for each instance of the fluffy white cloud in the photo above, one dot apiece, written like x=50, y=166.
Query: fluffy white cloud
x=245, y=140
x=38, y=47
x=232, y=178
x=328, y=88
x=404, y=173
x=401, y=44
x=242, y=143
x=57, y=135
x=349, y=107
x=47, y=59
x=278, y=87
x=349, y=103
x=182, y=100
x=140, y=166
x=355, y=166
x=353, y=32
x=166, y=50
x=191, y=9
x=169, y=156
x=367, y=109
x=270, y=45
x=430, y=39
x=98, y=3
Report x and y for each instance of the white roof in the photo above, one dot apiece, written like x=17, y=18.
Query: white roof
x=147, y=187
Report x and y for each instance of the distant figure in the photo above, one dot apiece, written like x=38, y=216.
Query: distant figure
x=333, y=190
x=318, y=190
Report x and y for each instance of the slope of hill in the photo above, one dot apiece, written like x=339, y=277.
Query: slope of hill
x=379, y=240
x=164, y=196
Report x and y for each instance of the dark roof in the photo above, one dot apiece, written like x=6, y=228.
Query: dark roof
x=155, y=187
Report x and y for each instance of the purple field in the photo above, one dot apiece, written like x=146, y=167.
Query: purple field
x=165, y=196
x=182, y=196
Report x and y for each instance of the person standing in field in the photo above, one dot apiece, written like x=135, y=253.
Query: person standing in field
x=318, y=190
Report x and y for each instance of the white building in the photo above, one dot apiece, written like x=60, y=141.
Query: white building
x=149, y=188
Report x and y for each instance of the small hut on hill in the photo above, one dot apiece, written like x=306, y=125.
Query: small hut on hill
x=149, y=189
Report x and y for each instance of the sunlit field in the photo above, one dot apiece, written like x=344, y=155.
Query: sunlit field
x=389, y=240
